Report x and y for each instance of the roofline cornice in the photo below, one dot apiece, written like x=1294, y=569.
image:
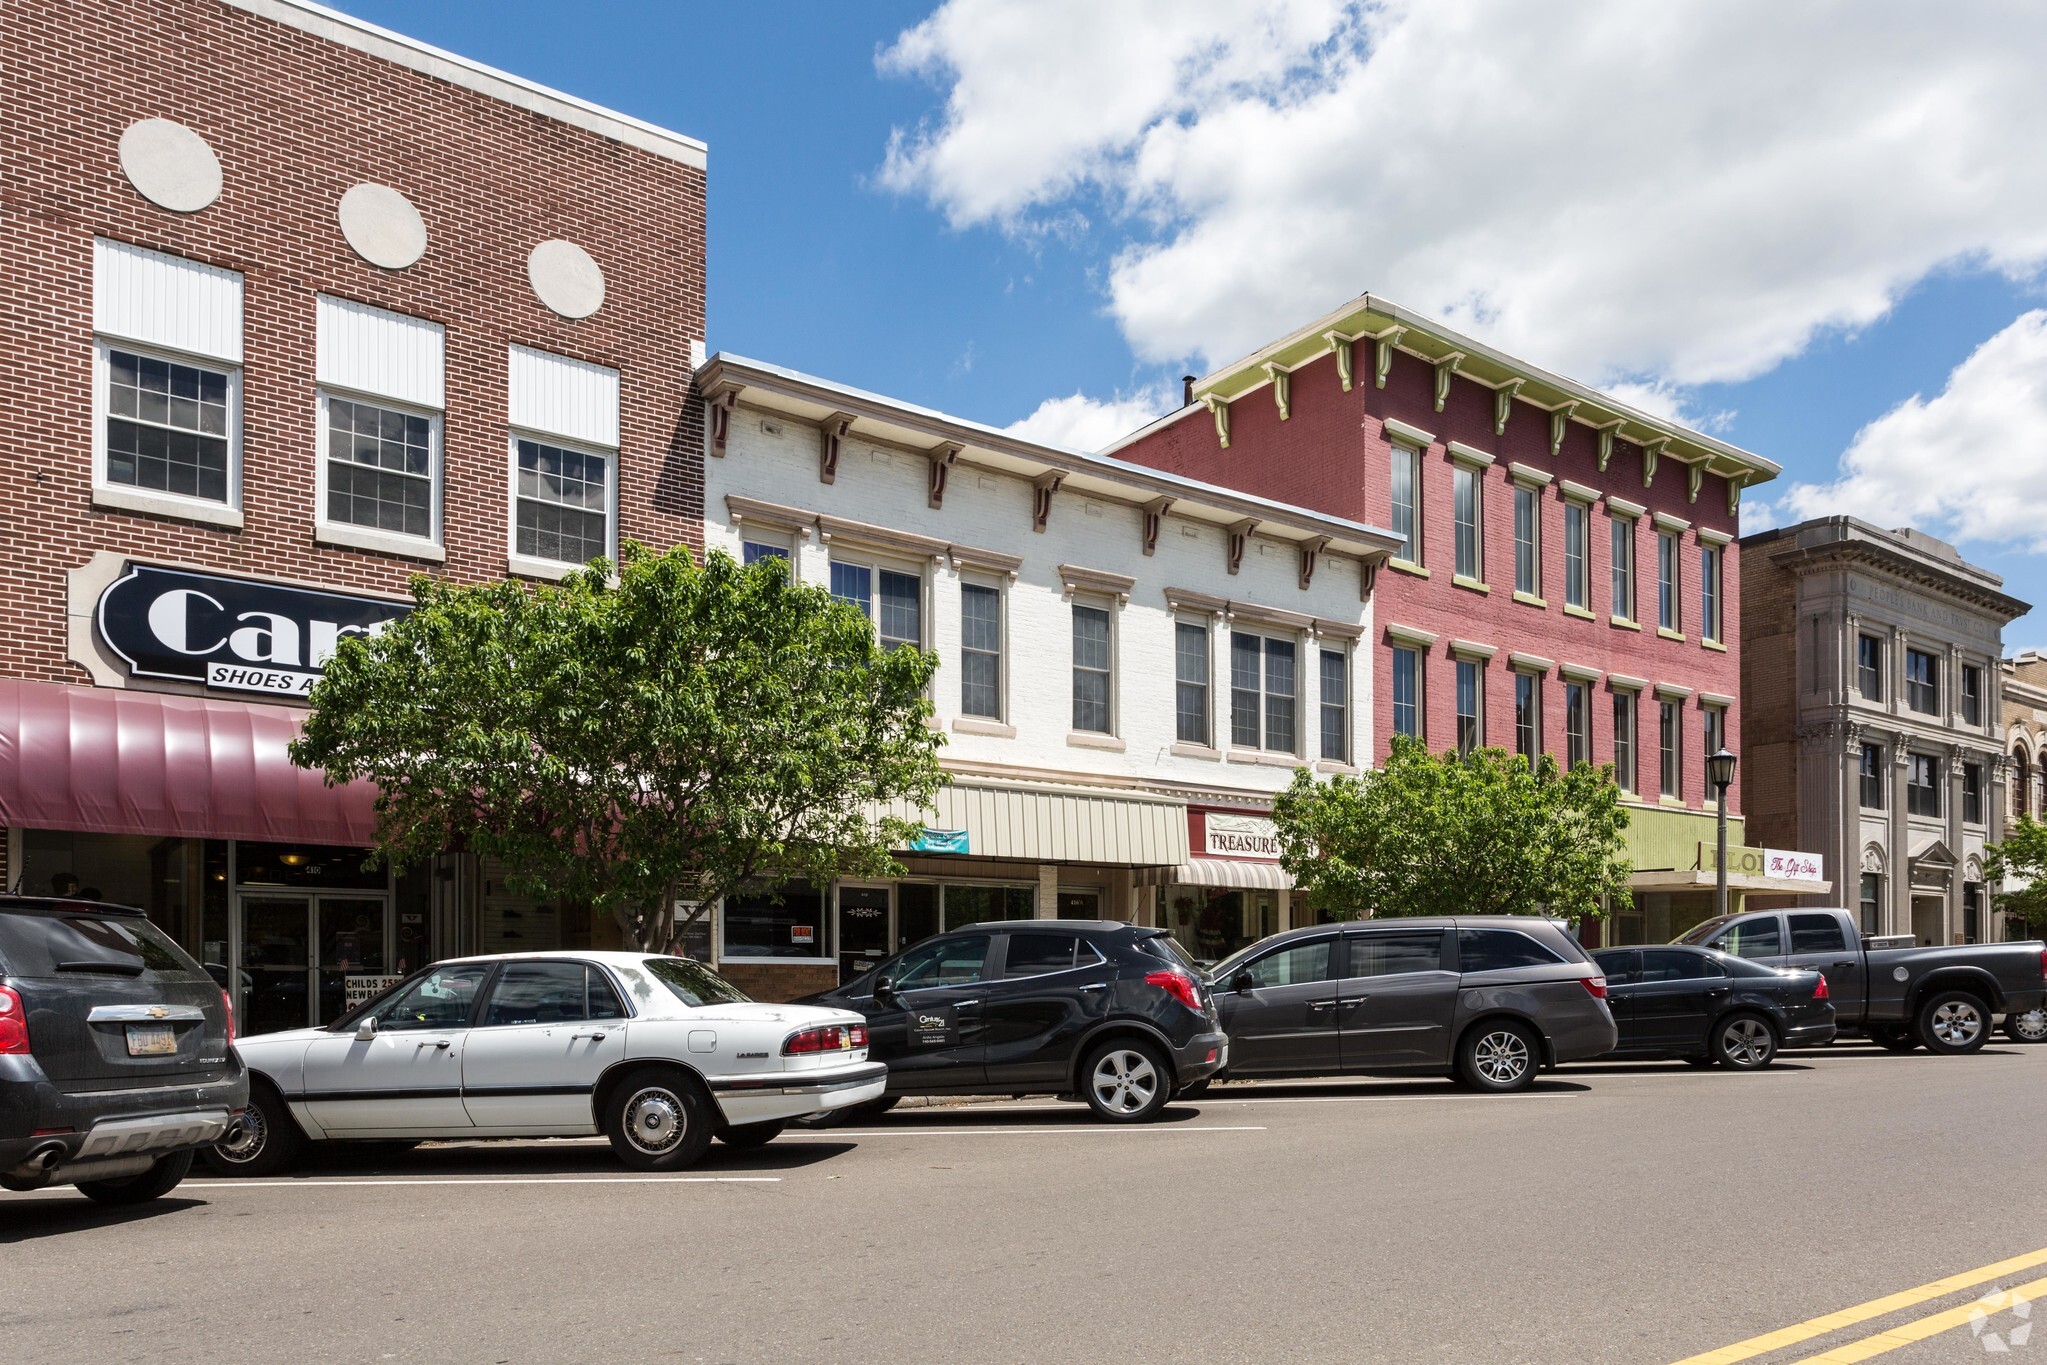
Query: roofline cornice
x=1805, y=560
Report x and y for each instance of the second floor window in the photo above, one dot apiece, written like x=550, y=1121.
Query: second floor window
x=1666, y=581
x=1709, y=593
x=1872, y=777
x=1577, y=556
x=1922, y=682
x=1407, y=692
x=1972, y=793
x=1670, y=727
x=1972, y=694
x=562, y=502
x=1262, y=692
x=1869, y=667
x=893, y=600
x=169, y=426
x=1577, y=724
x=1470, y=547
x=1623, y=541
x=1527, y=541
x=1091, y=670
x=1713, y=730
x=1470, y=704
x=1527, y=715
x=1190, y=682
x=1922, y=784
x=1406, y=481
x=1335, y=706
x=1624, y=740
x=381, y=467
x=980, y=651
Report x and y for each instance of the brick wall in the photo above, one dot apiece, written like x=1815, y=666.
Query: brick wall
x=1769, y=690
x=296, y=121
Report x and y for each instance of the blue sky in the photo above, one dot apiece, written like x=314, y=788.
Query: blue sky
x=983, y=206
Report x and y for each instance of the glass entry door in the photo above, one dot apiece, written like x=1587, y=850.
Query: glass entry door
x=864, y=937
x=296, y=953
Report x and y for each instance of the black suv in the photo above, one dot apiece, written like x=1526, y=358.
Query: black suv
x=116, y=1052
x=1109, y=1011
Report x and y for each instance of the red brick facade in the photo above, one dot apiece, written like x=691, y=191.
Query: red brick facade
x=1333, y=453
x=296, y=120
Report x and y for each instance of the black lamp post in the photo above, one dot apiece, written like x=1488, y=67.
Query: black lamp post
x=1720, y=772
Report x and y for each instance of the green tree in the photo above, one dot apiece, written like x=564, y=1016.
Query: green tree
x=628, y=743
x=2022, y=856
x=1478, y=834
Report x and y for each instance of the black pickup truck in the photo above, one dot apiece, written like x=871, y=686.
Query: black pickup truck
x=1902, y=997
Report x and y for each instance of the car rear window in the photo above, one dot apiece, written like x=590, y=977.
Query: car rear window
x=1492, y=950
x=83, y=942
x=693, y=983
x=1166, y=950
x=1670, y=964
x=1751, y=938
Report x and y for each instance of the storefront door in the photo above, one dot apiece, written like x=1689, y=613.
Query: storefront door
x=297, y=952
x=865, y=936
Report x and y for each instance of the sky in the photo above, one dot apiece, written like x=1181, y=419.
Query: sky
x=1818, y=231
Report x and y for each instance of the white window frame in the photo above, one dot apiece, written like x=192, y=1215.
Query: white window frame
x=1348, y=745
x=1670, y=591
x=1535, y=703
x=1413, y=458
x=1460, y=470
x=1421, y=689
x=1712, y=589
x=876, y=562
x=128, y=497
x=1581, y=585
x=1253, y=630
x=1628, y=776
x=999, y=585
x=1528, y=496
x=534, y=566
x=1111, y=736
x=770, y=539
x=1208, y=688
x=1478, y=670
x=370, y=537
x=1628, y=527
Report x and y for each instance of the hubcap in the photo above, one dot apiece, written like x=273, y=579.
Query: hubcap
x=1124, y=1082
x=247, y=1145
x=1957, y=1022
x=1502, y=1057
x=2031, y=1026
x=1746, y=1042
x=654, y=1120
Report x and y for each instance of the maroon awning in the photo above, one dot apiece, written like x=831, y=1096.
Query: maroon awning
x=109, y=761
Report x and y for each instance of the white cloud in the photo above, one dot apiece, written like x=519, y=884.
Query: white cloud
x=1967, y=462
x=1664, y=194
x=1077, y=422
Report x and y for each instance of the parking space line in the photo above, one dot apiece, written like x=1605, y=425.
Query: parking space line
x=1930, y=1326
x=1155, y=1129
x=346, y=1182
x=1867, y=1312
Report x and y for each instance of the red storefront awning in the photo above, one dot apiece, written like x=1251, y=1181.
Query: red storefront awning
x=108, y=761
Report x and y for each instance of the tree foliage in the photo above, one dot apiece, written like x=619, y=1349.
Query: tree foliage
x=2021, y=857
x=1477, y=834
x=670, y=734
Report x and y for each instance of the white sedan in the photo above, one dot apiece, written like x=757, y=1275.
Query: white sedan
x=660, y=1054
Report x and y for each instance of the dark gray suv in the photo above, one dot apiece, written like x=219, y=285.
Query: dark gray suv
x=1488, y=1000
x=116, y=1052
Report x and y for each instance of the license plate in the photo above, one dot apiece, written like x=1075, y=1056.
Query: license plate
x=151, y=1040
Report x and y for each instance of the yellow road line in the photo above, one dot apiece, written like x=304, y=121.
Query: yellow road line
x=1931, y=1326
x=1865, y=1312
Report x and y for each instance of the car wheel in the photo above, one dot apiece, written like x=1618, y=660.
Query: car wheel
x=1126, y=1081
x=1499, y=1057
x=1895, y=1038
x=1954, y=1022
x=658, y=1120
x=748, y=1136
x=2030, y=1027
x=268, y=1143
x=1744, y=1042
x=154, y=1183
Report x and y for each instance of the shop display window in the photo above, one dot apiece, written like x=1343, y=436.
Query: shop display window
x=788, y=922
x=140, y=870
x=1211, y=922
x=976, y=904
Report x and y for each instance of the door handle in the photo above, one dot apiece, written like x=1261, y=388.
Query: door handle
x=439, y=1043
x=597, y=1034
x=1355, y=1000
x=1096, y=987
x=968, y=1005
x=1716, y=992
x=1844, y=964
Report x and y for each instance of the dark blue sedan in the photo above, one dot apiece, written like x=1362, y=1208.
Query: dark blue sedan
x=1710, y=1007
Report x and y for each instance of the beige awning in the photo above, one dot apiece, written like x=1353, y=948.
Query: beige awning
x=1231, y=872
x=1057, y=824
x=1692, y=879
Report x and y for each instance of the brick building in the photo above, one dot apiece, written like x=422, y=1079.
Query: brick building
x=298, y=308
x=1567, y=581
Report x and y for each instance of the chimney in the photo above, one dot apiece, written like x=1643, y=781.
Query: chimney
x=1186, y=390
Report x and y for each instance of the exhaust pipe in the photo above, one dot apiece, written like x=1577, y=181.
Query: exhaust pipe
x=34, y=1171
x=46, y=1157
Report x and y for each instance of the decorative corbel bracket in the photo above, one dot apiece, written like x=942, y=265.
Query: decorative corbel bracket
x=1650, y=451
x=1219, y=408
x=1311, y=550
x=831, y=439
x=720, y=405
x=1606, y=435
x=1694, y=476
x=1734, y=483
x=1345, y=359
x=1240, y=536
x=1282, y=390
x=1559, y=423
x=1382, y=357
x=1368, y=577
x=1154, y=515
x=1445, y=367
x=1042, y=489
x=942, y=459
x=1503, y=405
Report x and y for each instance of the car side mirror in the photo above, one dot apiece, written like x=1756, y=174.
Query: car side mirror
x=1241, y=982
x=367, y=1029
x=885, y=990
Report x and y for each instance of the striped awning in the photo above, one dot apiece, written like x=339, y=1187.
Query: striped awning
x=1045, y=823
x=1235, y=873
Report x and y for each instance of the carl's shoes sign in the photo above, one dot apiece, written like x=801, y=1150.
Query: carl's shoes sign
x=234, y=634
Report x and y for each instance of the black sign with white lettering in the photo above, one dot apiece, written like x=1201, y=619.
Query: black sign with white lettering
x=236, y=634
x=933, y=1026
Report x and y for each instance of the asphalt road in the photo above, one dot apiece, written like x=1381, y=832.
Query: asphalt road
x=1618, y=1213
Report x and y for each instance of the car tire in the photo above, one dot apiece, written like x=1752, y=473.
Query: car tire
x=748, y=1136
x=154, y=1183
x=2030, y=1027
x=658, y=1119
x=1499, y=1057
x=1953, y=1023
x=1894, y=1038
x=270, y=1142
x=1126, y=1081
x=1744, y=1042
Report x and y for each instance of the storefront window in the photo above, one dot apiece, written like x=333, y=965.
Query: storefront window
x=788, y=922
x=141, y=870
x=966, y=904
x=318, y=865
x=916, y=912
x=1211, y=922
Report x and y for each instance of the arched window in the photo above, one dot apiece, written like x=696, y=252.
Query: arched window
x=2021, y=784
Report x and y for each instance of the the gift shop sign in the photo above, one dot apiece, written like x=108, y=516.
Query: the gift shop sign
x=235, y=634
x=1238, y=836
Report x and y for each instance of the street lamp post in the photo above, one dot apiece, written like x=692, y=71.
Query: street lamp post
x=1720, y=772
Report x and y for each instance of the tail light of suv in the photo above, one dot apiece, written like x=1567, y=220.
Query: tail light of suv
x=227, y=1002
x=1820, y=992
x=13, y=1024
x=1595, y=986
x=1179, y=985
x=830, y=1038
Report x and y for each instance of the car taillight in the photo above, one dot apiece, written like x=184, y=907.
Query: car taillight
x=13, y=1024
x=2043, y=966
x=227, y=1003
x=1595, y=986
x=1820, y=991
x=830, y=1038
x=1176, y=984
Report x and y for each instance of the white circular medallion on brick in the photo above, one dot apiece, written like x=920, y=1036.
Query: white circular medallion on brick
x=170, y=165
x=382, y=225
x=565, y=278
